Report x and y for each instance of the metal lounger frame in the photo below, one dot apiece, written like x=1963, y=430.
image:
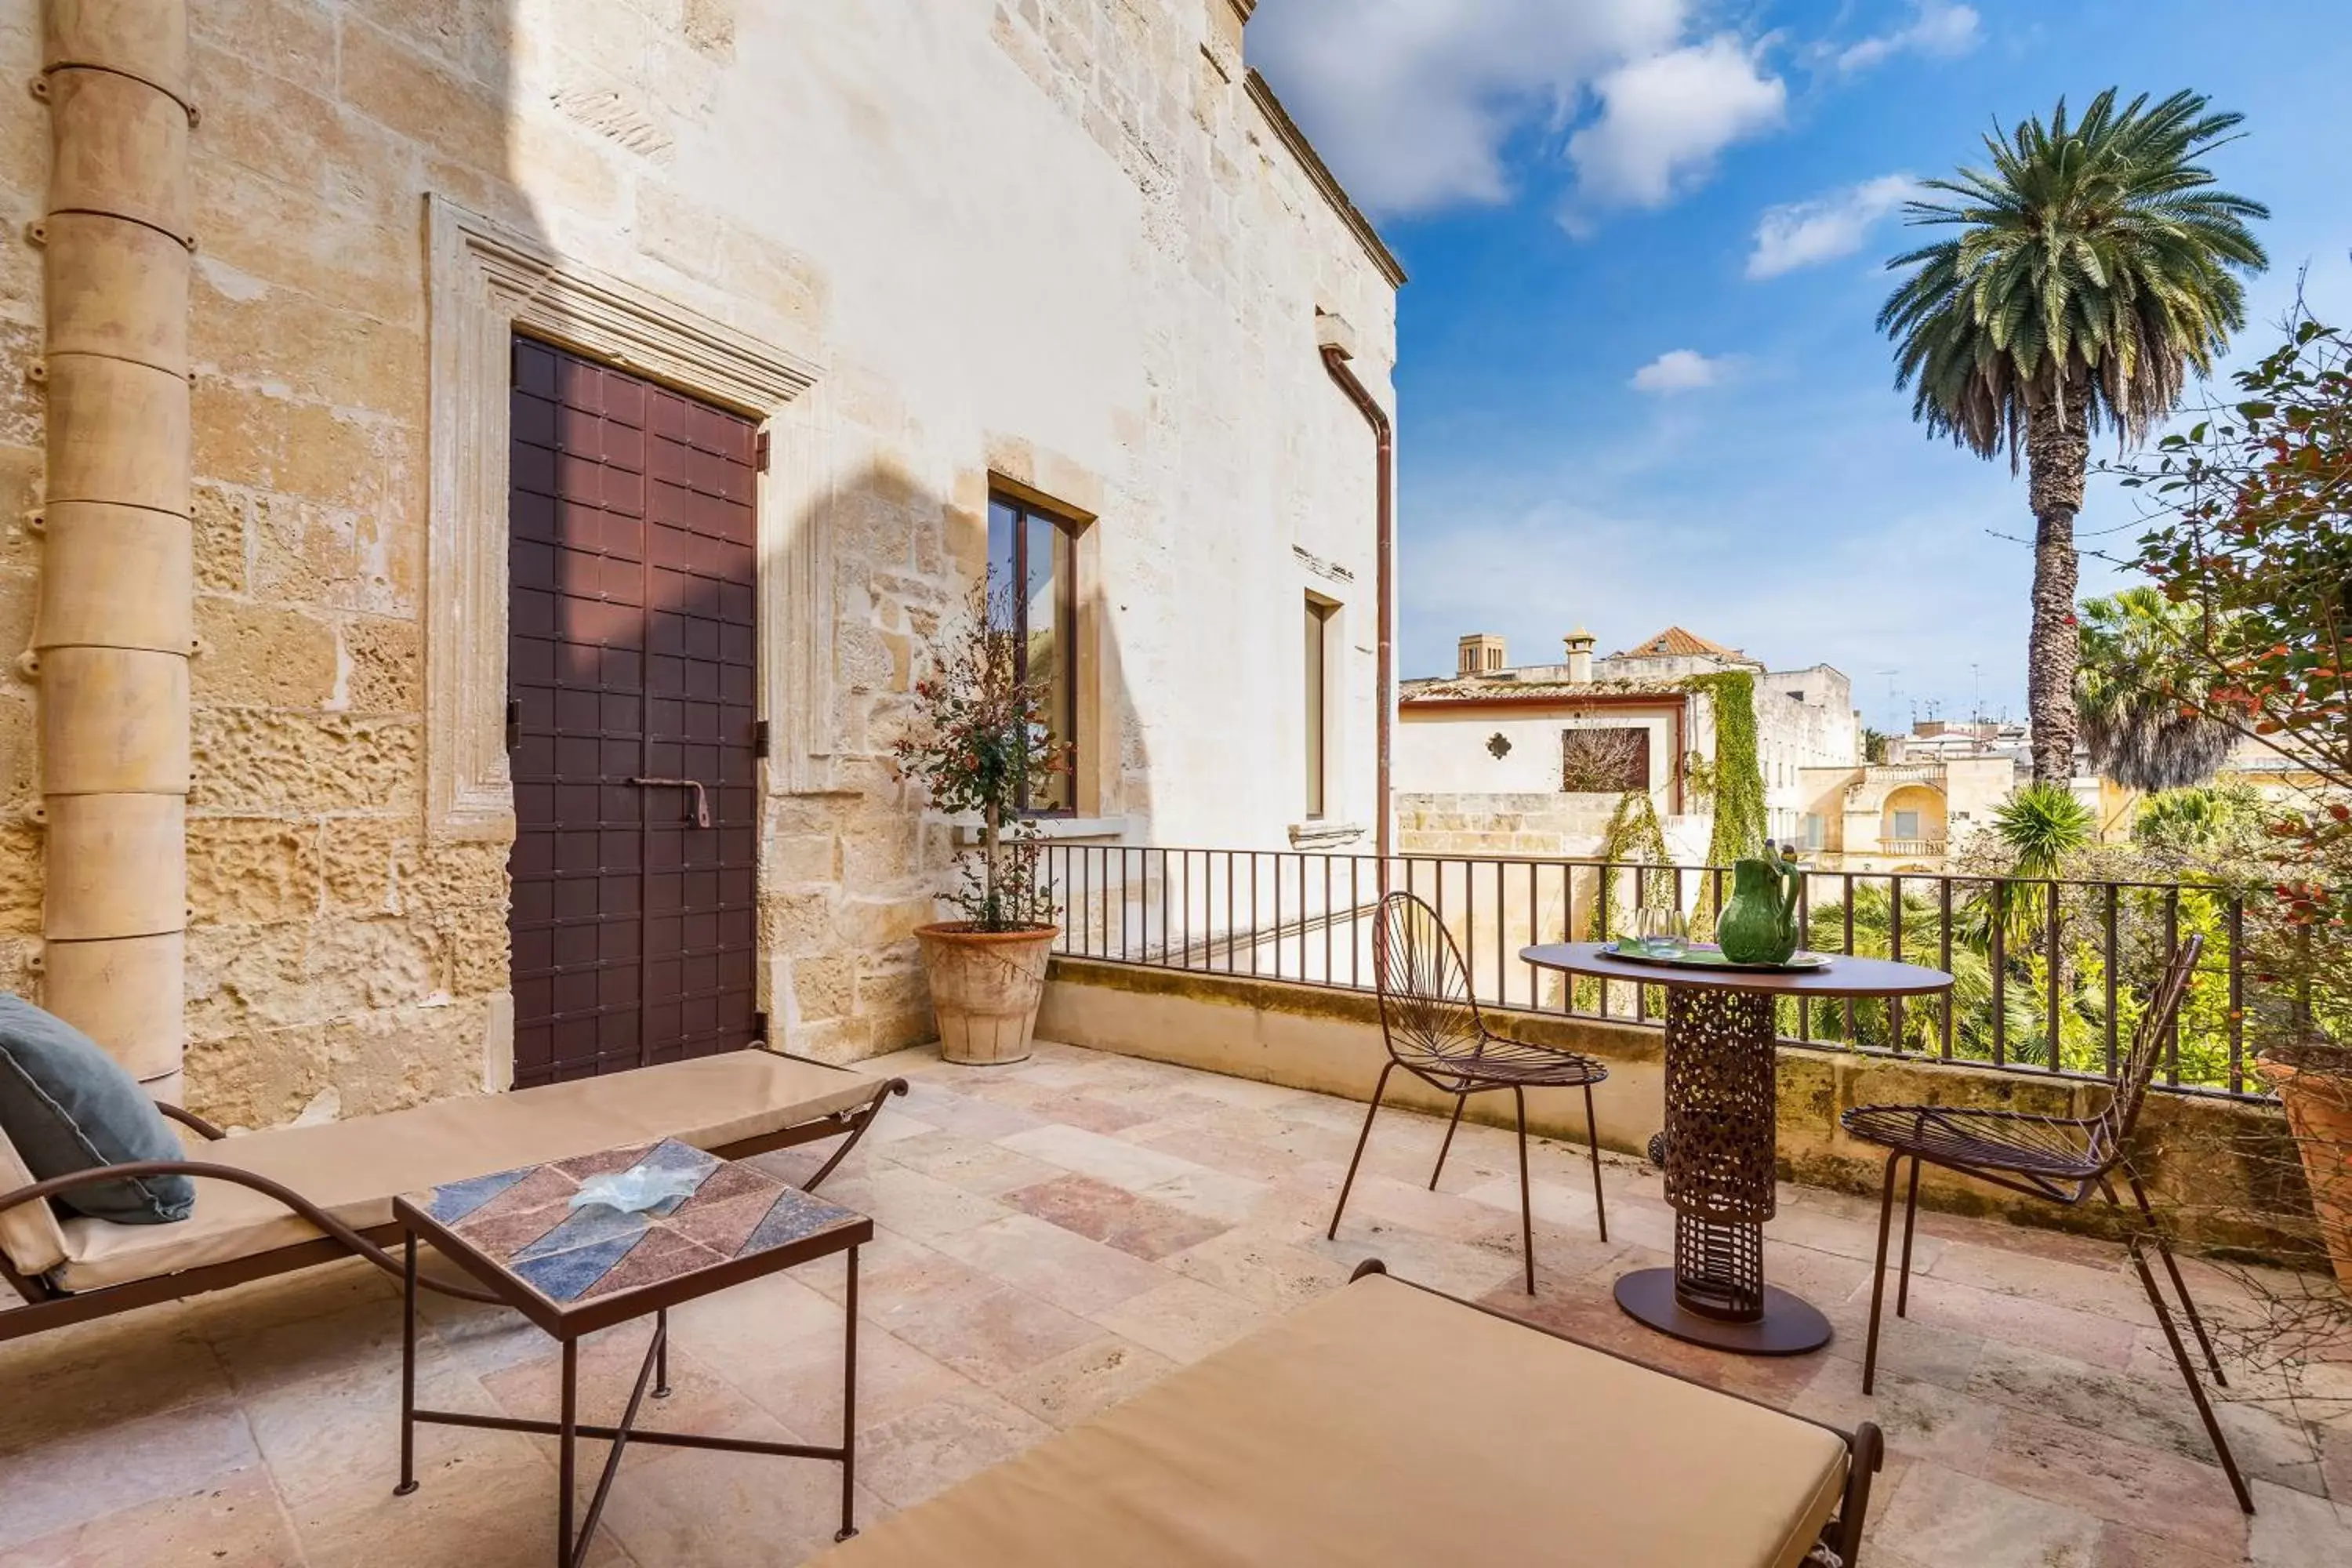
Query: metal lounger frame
x=47, y=1307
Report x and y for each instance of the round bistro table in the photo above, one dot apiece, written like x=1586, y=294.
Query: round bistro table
x=1721, y=1062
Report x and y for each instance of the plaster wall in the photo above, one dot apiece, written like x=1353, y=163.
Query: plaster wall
x=1441, y=752
x=1054, y=241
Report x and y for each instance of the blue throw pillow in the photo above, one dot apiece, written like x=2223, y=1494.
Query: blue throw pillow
x=68, y=1106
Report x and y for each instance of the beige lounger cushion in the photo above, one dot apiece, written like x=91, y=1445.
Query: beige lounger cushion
x=1383, y=1426
x=354, y=1169
x=28, y=1233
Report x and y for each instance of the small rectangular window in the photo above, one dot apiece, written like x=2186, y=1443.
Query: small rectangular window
x=1604, y=761
x=1033, y=594
x=1314, y=696
x=1813, y=838
x=1906, y=824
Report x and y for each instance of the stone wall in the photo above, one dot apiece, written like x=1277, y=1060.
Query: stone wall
x=2213, y=1165
x=1050, y=240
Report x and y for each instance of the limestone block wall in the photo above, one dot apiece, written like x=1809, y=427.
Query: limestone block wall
x=1049, y=240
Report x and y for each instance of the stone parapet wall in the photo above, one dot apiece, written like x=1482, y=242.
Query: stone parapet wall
x=2210, y=1164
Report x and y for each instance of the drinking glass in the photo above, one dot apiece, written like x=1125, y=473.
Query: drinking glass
x=1664, y=933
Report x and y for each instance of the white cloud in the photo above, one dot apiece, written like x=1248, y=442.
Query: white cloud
x=1803, y=234
x=1680, y=369
x=1665, y=118
x=1938, y=27
x=1413, y=102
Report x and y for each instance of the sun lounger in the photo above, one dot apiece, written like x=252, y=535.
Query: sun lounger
x=1387, y=1425
x=284, y=1199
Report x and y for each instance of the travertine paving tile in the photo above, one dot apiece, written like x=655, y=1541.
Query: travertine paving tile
x=1028, y=1269
x=1146, y=1227
x=236, y=1518
x=102, y=1469
x=1940, y=1518
x=1086, y=1381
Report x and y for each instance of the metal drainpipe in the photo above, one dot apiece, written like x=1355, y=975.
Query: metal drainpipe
x=115, y=624
x=1335, y=360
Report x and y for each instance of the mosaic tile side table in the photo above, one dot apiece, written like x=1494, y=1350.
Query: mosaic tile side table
x=1722, y=1135
x=573, y=1271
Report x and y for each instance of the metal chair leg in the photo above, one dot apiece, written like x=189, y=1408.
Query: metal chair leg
x=2187, y=1369
x=1526, y=1202
x=1443, y=1149
x=2180, y=1285
x=1363, y=1137
x=1592, y=1142
x=1878, y=1272
x=1910, y=1217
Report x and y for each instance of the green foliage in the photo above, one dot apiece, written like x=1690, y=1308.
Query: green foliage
x=1738, y=773
x=1874, y=746
x=1635, y=838
x=2094, y=267
x=2127, y=691
x=2208, y=830
x=2252, y=509
x=2042, y=824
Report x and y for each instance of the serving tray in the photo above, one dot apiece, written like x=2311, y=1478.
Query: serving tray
x=1708, y=956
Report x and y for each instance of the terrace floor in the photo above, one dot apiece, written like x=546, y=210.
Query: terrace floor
x=1053, y=1237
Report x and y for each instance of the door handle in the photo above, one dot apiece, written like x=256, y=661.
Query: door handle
x=701, y=796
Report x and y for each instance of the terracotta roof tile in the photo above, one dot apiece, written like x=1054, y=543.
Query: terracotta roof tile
x=1675, y=642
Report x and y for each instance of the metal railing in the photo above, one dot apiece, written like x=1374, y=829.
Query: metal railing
x=2048, y=974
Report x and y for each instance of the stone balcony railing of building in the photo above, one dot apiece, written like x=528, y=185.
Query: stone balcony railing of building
x=1306, y=918
x=1920, y=847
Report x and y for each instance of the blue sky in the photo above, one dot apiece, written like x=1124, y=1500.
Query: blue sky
x=1639, y=381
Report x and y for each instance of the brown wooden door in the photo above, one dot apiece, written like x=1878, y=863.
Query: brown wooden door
x=631, y=657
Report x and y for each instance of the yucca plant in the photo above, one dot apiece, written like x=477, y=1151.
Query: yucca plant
x=2094, y=266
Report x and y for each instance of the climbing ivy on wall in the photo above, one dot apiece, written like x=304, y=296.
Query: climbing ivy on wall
x=1738, y=774
x=1633, y=838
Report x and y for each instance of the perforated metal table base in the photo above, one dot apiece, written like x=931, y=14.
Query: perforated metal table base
x=1791, y=1325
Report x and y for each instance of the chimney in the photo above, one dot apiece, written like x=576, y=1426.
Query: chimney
x=1481, y=653
x=1578, y=644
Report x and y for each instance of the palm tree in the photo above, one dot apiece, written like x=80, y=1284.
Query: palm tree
x=2138, y=697
x=2094, y=267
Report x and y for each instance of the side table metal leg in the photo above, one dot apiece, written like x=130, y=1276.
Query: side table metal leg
x=407, y=1371
x=661, y=1353
x=567, y=1440
x=849, y=1410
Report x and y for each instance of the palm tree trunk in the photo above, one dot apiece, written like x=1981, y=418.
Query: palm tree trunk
x=2058, y=453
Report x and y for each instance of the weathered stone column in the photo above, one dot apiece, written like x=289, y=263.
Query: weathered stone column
x=115, y=625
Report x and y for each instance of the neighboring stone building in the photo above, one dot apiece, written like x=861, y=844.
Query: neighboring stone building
x=865, y=295
x=1899, y=816
x=1532, y=759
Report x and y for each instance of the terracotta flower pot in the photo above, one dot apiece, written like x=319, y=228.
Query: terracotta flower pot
x=985, y=987
x=2319, y=1114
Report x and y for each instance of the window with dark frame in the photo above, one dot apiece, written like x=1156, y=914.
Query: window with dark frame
x=1604, y=760
x=1314, y=696
x=1033, y=594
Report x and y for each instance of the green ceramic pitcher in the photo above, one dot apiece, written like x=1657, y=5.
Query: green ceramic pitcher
x=1759, y=924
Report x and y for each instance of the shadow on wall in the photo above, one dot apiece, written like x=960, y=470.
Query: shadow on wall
x=341, y=960
x=855, y=861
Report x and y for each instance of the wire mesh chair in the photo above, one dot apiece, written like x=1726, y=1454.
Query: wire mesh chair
x=2065, y=1160
x=1434, y=1031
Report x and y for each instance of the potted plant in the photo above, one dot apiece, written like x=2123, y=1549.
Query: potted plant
x=2313, y=1079
x=980, y=745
